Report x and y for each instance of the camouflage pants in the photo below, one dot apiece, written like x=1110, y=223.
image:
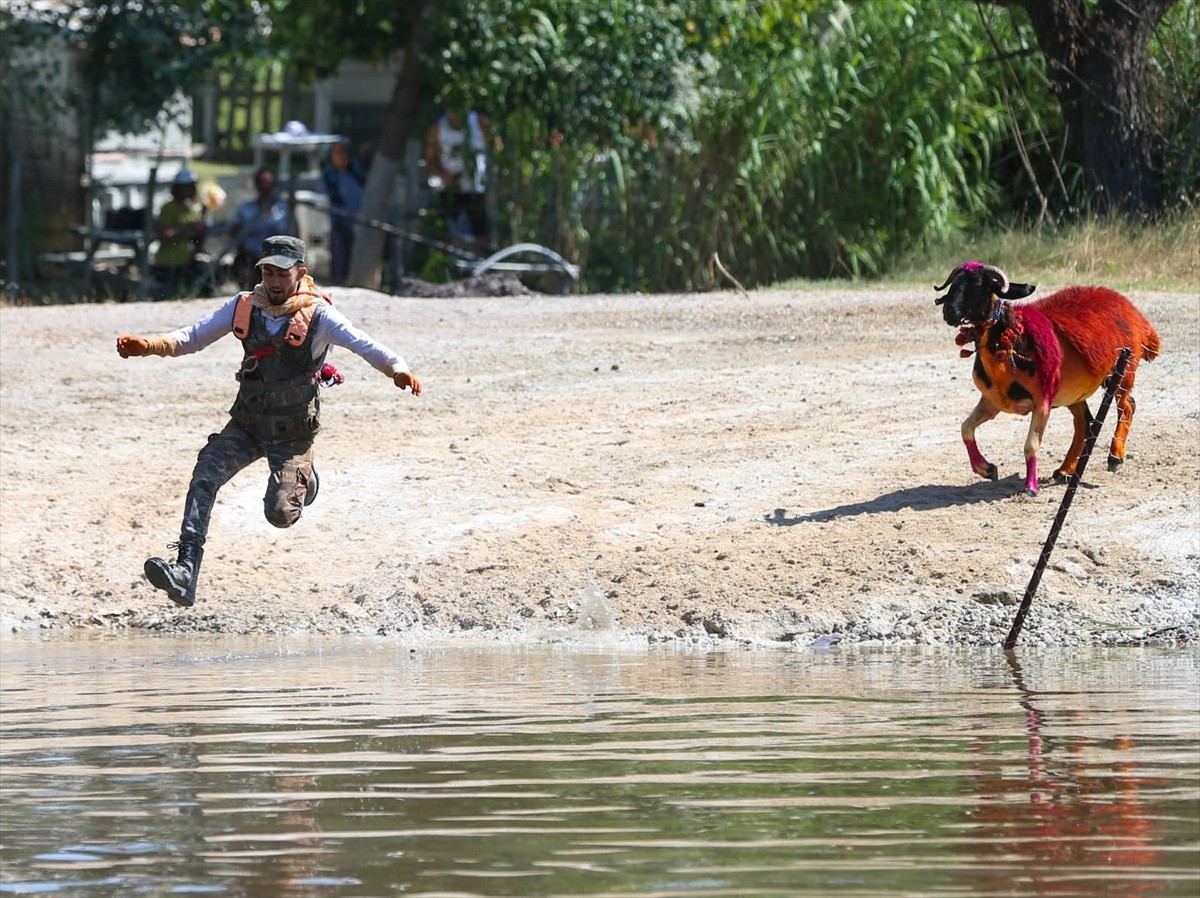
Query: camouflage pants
x=230, y=451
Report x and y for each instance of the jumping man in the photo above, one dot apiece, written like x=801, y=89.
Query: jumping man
x=286, y=325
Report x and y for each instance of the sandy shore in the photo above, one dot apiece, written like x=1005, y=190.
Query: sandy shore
x=777, y=467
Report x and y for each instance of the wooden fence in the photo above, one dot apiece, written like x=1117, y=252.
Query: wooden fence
x=244, y=104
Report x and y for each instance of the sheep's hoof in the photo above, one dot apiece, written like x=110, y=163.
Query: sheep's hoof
x=1114, y=464
x=993, y=473
x=1060, y=477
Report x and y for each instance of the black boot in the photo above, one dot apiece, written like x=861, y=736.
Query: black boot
x=310, y=489
x=178, y=580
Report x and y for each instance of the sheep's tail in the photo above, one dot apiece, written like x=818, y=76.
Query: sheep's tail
x=1151, y=344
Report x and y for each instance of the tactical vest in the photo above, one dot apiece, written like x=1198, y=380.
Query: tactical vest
x=278, y=399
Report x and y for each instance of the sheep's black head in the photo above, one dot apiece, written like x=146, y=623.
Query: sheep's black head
x=974, y=288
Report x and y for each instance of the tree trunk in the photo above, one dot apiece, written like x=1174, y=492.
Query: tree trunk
x=366, y=259
x=1096, y=53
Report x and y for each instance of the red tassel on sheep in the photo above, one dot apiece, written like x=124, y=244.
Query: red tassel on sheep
x=1032, y=357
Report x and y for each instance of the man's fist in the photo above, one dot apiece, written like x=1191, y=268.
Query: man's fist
x=404, y=379
x=130, y=346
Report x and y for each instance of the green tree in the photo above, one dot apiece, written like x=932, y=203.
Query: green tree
x=571, y=87
x=898, y=136
x=790, y=137
x=132, y=56
x=817, y=138
x=77, y=70
x=318, y=37
x=641, y=137
x=1173, y=95
x=1097, y=53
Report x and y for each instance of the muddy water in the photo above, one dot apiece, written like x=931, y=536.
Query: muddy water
x=148, y=766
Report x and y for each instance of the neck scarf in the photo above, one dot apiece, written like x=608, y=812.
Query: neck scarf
x=307, y=294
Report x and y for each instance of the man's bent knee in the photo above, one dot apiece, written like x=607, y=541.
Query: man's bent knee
x=282, y=517
x=283, y=508
x=284, y=502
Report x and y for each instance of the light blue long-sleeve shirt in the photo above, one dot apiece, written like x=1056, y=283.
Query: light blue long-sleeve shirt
x=333, y=329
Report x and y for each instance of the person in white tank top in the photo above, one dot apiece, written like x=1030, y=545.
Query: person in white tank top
x=456, y=166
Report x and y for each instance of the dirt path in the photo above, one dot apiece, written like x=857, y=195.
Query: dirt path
x=772, y=467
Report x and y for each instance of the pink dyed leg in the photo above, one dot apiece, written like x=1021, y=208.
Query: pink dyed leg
x=979, y=464
x=1031, y=481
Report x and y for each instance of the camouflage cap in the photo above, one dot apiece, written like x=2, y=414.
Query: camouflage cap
x=282, y=251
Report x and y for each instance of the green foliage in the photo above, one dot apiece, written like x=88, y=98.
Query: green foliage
x=639, y=137
x=1110, y=251
x=571, y=88
x=586, y=70
x=814, y=138
x=41, y=98
x=898, y=136
x=1034, y=176
x=318, y=36
x=787, y=136
x=73, y=70
x=1173, y=88
x=134, y=56
x=1038, y=171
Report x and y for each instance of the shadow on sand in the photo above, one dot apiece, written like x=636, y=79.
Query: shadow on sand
x=926, y=497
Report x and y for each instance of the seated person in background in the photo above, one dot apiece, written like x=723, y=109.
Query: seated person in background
x=343, y=178
x=257, y=219
x=180, y=228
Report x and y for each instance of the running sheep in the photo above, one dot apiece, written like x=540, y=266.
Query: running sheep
x=1031, y=357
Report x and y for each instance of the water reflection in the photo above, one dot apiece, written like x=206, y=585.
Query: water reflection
x=1080, y=800
x=363, y=767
